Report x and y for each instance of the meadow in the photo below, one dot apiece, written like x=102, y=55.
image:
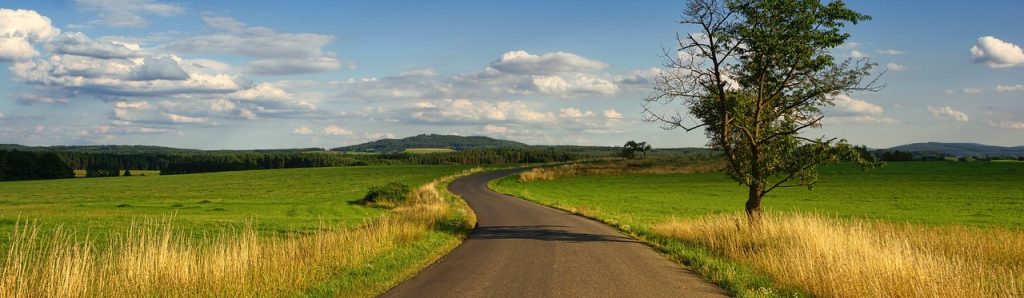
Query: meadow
x=914, y=229
x=271, y=232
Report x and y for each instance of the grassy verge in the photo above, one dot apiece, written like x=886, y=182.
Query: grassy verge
x=145, y=261
x=954, y=215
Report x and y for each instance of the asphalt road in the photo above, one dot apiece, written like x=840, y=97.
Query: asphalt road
x=522, y=249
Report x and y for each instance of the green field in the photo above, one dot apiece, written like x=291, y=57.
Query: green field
x=276, y=201
x=934, y=193
x=428, y=150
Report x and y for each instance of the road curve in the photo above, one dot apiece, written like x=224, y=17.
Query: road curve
x=522, y=249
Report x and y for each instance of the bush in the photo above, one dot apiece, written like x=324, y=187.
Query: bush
x=387, y=194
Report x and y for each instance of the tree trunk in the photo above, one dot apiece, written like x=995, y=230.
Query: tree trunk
x=754, y=213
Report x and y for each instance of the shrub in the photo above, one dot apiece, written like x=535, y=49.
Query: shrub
x=388, y=194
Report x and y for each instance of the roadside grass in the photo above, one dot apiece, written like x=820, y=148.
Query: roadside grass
x=281, y=203
x=933, y=206
x=162, y=261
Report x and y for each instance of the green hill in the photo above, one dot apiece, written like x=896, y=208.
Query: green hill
x=962, y=149
x=431, y=141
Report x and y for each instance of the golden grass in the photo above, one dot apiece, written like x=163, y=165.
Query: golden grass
x=621, y=167
x=859, y=258
x=147, y=262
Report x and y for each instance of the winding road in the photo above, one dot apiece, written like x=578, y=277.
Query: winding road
x=522, y=249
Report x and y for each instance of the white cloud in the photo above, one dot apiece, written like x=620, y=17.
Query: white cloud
x=521, y=62
x=973, y=91
x=1010, y=88
x=948, y=113
x=849, y=45
x=858, y=54
x=454, y=111
x=948, y=92
x=580, y=84
x=77, y=43
x=127, y=13
x=19, y=30
x=997, y=53
x=574, y=113
x=302, y=131
x=2, y=116
x=612, y=114
x=278, y=53
x=1008, y=124
x=854, y=106
x=132, y=105
x=334, y=130
x=158, y=68
x=895, y=67
x=852, y=110
x=891, y=52
x=495, y=129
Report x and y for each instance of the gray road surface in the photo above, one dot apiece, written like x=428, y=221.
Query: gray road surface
x=522, y=249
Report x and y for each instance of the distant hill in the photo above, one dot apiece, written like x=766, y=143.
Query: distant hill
x=962, y=149
x=431, y=141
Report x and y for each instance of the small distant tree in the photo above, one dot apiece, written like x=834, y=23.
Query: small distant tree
x=630, y=149
x=755, y=75
x=127, y=173
x=102, y=169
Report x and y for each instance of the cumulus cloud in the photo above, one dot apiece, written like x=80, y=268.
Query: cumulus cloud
x=464, y=111
x=1010, y=88
x=973, y=91
x=851, y=110
x=574, y=113
x=948, y=113
x=127, y=13
x=158, y=68
x=77, y=43
x=575, y=86
x=1008, y=124
x=612, y=114
x=891, y=52
x=277, y=53
x=858, y=54
x=495, y=129
x=19, y=30
x=997, y=53
x=522, y=62
x=851, y=105
x=334, y=130
x=895, y=67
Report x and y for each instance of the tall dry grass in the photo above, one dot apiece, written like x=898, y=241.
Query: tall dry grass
x=859, y=258
x=145, y=262
x=622, y=167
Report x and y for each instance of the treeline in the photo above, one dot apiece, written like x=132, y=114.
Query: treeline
x=253, y=161
x=22, y=165
x=187, y=164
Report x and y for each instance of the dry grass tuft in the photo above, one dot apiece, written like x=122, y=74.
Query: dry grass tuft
x=622, y=167
x=145, y=262
x=858, y=258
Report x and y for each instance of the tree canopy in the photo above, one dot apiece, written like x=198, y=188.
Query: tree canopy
x=754, y=76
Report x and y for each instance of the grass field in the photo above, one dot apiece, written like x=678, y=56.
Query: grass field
x=918, y=229
x=332, y=248
x=974, y=193
x=428, y=150
x=275, y=201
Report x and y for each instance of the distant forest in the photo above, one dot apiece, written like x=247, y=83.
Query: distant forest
x=19, y=162
x=29, y=165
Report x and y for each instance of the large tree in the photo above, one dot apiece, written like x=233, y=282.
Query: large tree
x=755, y=75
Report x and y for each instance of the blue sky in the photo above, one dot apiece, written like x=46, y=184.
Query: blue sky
x=281, y=74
